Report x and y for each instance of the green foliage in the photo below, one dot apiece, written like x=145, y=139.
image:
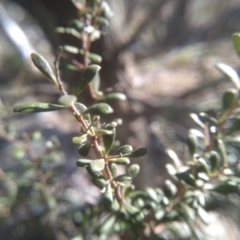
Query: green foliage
x=206, y=171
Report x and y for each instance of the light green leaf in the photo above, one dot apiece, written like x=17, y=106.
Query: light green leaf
x=108, y=197
x=81, y=108
x=67, y=100
x=230, y=73
x=124, y=149
x=114, y=96
x=44, y=67
x=120, y=161
x=99, y=109
x=133, y=170
x=97, y=165
x=70, y=31
x=192, y=143
x=35, y=107
x=79, y=140
x=236, y=42
x=114, y=169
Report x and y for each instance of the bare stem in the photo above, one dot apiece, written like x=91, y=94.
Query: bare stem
x=57, y=72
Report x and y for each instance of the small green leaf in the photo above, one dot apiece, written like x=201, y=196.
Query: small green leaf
x=125, y=179
x=44, y=67
x=94, y=58
x=106, y=10
x=99, y=182
x=84, y=162
x=73, y=49
x=204, y=216
x=87, y=76
x=185, y=175
x=230, y=73
x=133, y=170
x=124, y=149
x=114, y=96
x=99, y=109
x=108, y=197
x=101, y=132
x=236, y=42
x=35, y=107
x=152, y=194
x=215, y=161
x=84, y=149
x=137, y=153
x=120, y=161
x=170, y=189
x=97, y=165
x=225, y=188
x=79, y=140
x=177, y=162
x=131, y=209
x=94, y=174
x=67, y=100
x=96, y=83
x=108, y=225
x=70, y=31
x=103, y=22
x=114, y=169
x=77, y=24
x=111, y=125
x=159, y=214
x=197, y=120
x=108, y=141
x=229, y=99
x=222, y=149
x=192, y=143
x=81, y=108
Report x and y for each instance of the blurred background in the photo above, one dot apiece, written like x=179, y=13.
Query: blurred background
x=162, y=54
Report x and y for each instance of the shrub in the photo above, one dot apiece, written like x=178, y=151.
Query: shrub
x=179, y=210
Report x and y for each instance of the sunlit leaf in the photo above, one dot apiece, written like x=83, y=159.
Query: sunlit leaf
x=35, y=107
x=84, y=162
x=170, y=189
x=97, y=165
x=114, y=96
x=192, y=143
x=70, y=31
x=133, y=170
x=79, y=140
x=230, y=73
x=124, y=149
x=120, y=161
x=44, y=67
x=67, y=100
x=99, y=109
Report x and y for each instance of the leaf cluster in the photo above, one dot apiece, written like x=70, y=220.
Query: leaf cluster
x=207, y=171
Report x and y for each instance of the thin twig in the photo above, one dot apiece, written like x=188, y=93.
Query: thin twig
x=57, y=72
